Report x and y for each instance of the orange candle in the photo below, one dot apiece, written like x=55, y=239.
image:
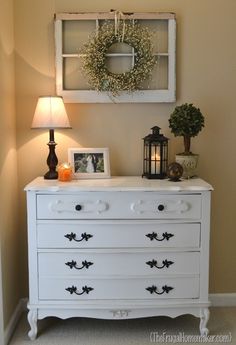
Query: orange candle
x=64, y=172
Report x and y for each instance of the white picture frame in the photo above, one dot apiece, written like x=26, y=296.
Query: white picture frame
x=89, y=163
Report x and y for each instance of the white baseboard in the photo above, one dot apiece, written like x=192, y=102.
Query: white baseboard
x=217, y=300
x=223, y=299
x=9, y=330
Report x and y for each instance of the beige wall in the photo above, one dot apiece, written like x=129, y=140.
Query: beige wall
x=9, y=230
x=206, y=76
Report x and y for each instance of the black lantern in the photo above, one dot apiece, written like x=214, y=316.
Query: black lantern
x=155, y=155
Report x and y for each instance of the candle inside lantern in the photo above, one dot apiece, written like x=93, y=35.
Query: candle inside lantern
x=64, y=172
x=155, y=164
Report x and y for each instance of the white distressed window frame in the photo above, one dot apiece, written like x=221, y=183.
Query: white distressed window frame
x=90, y=96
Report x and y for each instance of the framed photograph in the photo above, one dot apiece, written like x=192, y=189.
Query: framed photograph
x=89, y=162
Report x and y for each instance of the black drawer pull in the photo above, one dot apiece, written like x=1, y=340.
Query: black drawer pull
x=160, y=207
x=73, y=264
x=154, y=236
x=72, y=236
x=165, y=263
x=153, y=289
x=78, y=207
x=73, y=289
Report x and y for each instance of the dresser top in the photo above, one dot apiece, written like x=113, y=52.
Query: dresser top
x=119, y=184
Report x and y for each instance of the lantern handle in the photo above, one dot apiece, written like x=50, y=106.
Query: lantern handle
x=155, y=130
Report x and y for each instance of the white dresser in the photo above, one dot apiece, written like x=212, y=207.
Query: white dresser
x=118, y=248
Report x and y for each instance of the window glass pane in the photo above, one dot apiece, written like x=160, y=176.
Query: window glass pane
x=119, y=64
x=73, y=76
x=159, y=79
x=159, y=28
x=120, y=48
x=75, y=34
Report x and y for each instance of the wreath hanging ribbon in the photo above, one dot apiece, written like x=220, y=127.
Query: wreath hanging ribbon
x=94, y=55
x=118, y=17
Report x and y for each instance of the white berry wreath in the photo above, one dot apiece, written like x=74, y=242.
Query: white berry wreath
x=94, y=54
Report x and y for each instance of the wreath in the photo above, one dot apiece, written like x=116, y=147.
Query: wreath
x=94, y=57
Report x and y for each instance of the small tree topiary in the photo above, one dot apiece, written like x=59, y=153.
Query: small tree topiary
x=187, y=121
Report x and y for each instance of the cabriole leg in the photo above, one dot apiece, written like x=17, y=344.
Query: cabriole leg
x=32, y=319
x=205, y=314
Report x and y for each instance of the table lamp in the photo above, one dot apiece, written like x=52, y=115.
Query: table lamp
x=50, y=113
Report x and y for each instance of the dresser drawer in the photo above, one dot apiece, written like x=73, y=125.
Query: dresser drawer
x=134, y=205
x=117, y=234
x=133, y=263
x=91, y=289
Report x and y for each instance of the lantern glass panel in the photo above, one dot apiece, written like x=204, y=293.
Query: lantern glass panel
x=155, y=158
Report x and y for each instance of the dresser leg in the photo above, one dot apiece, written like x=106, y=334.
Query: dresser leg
x=205, y=314
x=32, y=318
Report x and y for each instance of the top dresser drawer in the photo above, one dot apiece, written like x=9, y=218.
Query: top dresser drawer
x=126, y=205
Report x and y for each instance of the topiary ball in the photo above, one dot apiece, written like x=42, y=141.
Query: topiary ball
x=174, y=171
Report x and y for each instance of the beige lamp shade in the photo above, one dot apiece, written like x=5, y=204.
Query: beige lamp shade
x=50, y=112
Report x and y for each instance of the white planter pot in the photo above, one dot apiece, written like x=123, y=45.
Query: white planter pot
x=189, y=164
